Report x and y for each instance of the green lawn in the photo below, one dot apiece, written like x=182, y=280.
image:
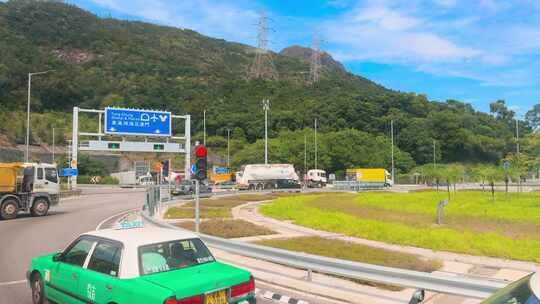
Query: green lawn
x=474, y=224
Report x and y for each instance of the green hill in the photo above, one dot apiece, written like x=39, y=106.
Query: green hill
x=100, y=62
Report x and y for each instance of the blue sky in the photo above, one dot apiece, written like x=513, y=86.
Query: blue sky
x=475, y=51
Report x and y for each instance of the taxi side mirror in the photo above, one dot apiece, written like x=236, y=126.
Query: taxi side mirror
x=57, y=257
x=418, y=297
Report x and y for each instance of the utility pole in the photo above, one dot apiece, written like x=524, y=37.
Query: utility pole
x=434, y=156
x=316, y=160
x=305, y=156
x=27, y=156
x=517, y=154
x=266, y=107
x=392, y=140
x=229, y=149
x=53, y=145
x=315, y=60
x=263, y=64
x=204, y=128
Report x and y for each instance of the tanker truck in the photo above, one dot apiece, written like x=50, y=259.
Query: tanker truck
x=261, y=177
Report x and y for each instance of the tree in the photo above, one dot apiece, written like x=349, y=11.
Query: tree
x=533, y=117
x=494, y=174
x=479, y=174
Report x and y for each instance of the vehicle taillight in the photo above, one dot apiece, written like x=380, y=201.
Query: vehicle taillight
x=191, y=300
x=243, y=289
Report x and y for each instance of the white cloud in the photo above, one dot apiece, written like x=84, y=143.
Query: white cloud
x=446, y=3
x=212, y=18
x=386, y=34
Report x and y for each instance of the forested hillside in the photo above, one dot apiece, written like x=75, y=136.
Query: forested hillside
x=102, y=62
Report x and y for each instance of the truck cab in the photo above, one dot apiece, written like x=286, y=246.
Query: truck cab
x=28, y=187
x=316, y=178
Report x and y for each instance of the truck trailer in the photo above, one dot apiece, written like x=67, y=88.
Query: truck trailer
x=370, y=176
x=27, y=187
x=274, y=176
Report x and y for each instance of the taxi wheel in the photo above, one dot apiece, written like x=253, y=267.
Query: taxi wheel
x=40, y=207
x=37, y=289
x=9, y=209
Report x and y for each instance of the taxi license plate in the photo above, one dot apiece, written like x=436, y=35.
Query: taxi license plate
x=219, y=297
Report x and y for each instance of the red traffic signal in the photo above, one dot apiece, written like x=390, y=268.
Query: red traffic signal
x=200, y=151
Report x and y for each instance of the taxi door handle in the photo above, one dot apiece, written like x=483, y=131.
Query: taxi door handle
x=108, y=286
x=74, y=276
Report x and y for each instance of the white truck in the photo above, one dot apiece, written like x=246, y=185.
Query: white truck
x=274, y=176
x=130, y=178
x=27, y=187
x=316, y=178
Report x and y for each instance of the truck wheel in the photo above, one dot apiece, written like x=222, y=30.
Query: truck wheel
x=9, y=210
x=40, y=207
x=37, y=289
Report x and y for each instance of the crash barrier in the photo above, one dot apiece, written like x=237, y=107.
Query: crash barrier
x=357, y=186
x=456, y=285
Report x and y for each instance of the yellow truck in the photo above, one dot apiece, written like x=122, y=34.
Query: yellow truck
x=27, y=187
x=371, y=176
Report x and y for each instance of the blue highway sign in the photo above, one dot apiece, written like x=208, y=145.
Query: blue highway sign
x=68, y=172
x=137, y=122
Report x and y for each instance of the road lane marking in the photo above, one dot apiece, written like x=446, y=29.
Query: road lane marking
x=12, y=283
x=113, y=216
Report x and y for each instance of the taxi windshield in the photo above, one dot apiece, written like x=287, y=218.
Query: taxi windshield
x=516, y=293
x=173, y=255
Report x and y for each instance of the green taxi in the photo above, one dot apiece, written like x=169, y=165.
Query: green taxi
x=138, y=265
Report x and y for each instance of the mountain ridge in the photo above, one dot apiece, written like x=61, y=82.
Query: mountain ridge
x=102, y=62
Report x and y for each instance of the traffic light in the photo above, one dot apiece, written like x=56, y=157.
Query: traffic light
x=200, y=162
x=165, y=167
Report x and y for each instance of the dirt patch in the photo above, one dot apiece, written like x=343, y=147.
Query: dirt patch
x=228, y=228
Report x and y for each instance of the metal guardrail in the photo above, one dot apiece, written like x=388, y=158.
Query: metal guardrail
x=456, y=285
x=357, y=186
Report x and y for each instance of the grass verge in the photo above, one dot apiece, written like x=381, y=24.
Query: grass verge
x=356, y=252
x=217, y=207
x=387, y=217
x=228, y=228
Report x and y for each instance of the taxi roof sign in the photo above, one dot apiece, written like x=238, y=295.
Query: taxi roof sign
x=130, y=224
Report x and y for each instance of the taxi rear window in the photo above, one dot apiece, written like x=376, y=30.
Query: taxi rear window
x=173, y=255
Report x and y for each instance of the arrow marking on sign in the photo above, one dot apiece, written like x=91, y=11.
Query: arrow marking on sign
x=163, y=118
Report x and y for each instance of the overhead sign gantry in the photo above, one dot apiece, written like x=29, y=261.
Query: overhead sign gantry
x=132, y=130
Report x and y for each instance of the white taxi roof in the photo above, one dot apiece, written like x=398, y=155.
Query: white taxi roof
x=133, y=238
x=142, y=236
x=535, y=284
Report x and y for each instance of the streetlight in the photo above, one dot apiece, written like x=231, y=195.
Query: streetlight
x=392, y=142
x=27, y=156
x=266, y=107
x=228, y=149
x=204, y=128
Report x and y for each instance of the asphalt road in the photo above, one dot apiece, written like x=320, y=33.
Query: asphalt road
x=23, y=238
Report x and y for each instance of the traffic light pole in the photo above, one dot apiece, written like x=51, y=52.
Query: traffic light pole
x=197, y=206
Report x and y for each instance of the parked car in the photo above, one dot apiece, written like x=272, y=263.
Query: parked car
x=187, y=187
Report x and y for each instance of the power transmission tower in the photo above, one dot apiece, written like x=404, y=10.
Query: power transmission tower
x=315, y=66
x=263, y=64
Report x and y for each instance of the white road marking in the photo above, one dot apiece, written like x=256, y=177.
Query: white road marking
x=12, y=283
x=113, y=216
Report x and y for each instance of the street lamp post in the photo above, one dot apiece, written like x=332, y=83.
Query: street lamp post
x=228, y=149
x=27, y=156
x=204, y=128
x=392, y=140
x=266, y=107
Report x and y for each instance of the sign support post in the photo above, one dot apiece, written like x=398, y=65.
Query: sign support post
x=197, y=206
x=74, y=146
